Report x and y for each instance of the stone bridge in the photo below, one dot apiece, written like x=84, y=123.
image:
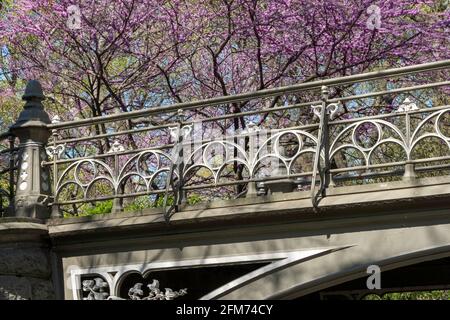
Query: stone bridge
x=301, y=211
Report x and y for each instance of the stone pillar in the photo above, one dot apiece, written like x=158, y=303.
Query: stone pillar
x=33, y=184
x=26, y=257
x=25, y=265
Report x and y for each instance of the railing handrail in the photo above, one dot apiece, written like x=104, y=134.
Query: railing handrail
x=253, y=112
x=256, y=94
x=311, y=126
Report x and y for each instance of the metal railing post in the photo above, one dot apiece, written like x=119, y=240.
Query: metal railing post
x=55, y=207
x=253, y=133
x=410, y=174
x=117, y=202
x=55, y=152
x=179, y=195
x=322, y=147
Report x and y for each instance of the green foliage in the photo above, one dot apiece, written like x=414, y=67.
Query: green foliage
x=4, y=203
x=142, y=203
x=138, y=204
x=86, y=210
x=159, y=203
x=10, y=108
x=100, y=208
x=4, y=188
x=194, y=199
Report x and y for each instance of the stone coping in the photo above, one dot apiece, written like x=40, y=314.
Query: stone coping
x=390, y=196
x=18, y=230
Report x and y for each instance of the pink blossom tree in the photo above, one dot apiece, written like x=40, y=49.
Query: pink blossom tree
x=131, y=54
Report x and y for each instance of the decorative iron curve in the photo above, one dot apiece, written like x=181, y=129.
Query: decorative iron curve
x=251, y=159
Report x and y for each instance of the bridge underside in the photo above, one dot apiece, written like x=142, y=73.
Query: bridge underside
x=277, y=248
x=424, y=276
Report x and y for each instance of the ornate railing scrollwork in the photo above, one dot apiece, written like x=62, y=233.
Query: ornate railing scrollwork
x=331, y=109
x=259, y=152
x=387, y=132
x=215, y=156
x=438, y=133
x=367, y=148
x=142, y=169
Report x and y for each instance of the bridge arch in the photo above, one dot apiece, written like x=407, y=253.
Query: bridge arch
x=348, y=264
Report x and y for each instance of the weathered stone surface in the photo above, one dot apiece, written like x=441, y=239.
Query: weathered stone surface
x=25, y=268
x=19, y=230
x=42, y=289
x=24, y=261
x=281, y=186
x=24, y=288
x=14, y=288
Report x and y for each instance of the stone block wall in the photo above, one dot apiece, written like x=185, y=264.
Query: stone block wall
x=25, y=268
